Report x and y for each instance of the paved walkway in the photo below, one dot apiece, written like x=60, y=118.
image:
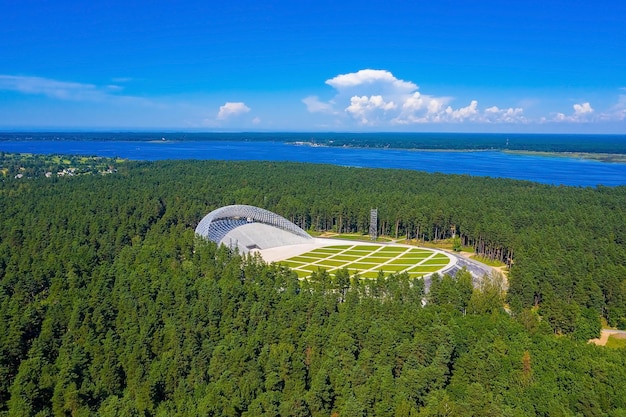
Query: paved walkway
x=604, y=336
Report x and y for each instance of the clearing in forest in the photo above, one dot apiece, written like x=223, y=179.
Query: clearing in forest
x=369, y=259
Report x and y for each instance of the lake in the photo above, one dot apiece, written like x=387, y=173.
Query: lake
x=544, y=169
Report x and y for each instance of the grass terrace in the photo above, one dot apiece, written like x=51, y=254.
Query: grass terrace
x=369, y=260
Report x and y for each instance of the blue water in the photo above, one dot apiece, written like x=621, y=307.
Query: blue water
x=543, y=169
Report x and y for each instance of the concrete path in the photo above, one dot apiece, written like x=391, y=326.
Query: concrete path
x=604, y=336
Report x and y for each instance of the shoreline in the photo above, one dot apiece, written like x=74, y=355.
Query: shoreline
x=619, y=158
x=600, y=157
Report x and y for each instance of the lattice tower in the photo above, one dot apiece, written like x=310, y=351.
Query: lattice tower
x=374, y=224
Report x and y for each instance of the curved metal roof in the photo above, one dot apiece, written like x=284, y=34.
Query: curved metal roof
x=219, y=222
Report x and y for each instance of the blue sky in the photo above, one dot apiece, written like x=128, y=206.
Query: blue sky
x=492, y=66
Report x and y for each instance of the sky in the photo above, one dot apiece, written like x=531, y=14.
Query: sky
x=324, y=65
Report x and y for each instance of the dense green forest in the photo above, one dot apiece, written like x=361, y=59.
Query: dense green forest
x=111, y=306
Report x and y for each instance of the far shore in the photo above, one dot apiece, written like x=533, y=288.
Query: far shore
x=601, y=157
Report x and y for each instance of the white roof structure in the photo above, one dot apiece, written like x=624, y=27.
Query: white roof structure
x=248, y=227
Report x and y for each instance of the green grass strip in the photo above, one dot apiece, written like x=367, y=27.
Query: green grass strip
x=393, y=249
x=377, y=259
x=369, y=275
x=331, y=264
x=323, y=252
x=405, y=261
x=366, y=247
x=422, y=268
x=436, y=262
x=362, y=265
x=343, y=257
x=393, y=268
x=292, y=264
x=616, y=343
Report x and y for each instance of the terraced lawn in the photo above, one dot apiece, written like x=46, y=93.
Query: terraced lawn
x=368, y=260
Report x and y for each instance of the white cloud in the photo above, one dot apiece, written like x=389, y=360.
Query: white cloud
x=618, y=111
x=230, y=109
x=365, y=108
x=582, y=109
x=377, y=97
x=418, y=101
x=111, y=96
x=582, y=113
x=464, y=112
x=414, y=102
x=61, y=90
x=314, y=105
x=511, y=115
x=114, y=88
x=370, y=77
x=67, y=90
x=421, y=108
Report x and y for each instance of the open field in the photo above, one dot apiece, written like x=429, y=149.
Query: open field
x=365, y=259
x=616, y=341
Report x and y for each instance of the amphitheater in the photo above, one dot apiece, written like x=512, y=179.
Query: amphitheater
x=250, y=229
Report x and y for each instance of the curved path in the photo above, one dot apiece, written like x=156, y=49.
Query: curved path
x=476, y=268
x=605, y=334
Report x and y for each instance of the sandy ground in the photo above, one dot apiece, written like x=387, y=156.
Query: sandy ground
x=604, y=336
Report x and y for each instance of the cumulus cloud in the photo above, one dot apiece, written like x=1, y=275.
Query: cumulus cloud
x=494, y=114
x=418, y=101
x=377, y=97
x=230, y=109
x=582, y=109
x=582, y=113
x=363, y=108
x=464, y=112
x=380, y=78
